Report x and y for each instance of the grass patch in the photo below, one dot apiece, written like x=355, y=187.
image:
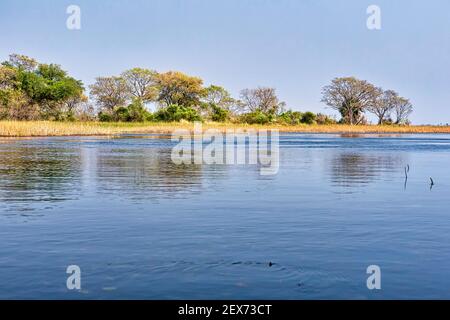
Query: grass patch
x=53, y=128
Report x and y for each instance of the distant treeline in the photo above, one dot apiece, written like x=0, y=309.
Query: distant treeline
x=35, y=91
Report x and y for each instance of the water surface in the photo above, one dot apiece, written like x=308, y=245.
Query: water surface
x=141, y=227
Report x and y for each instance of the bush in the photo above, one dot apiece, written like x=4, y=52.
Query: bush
x=324, y=119
x=121, y=114
x=257, y=117
x=309, y=118
x=295, y=117
x=290, y=117
x=69, y=116
x=105, y=116
x=175, y=112
x=218, y=114
x=135, y=112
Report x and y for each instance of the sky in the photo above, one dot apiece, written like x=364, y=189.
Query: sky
x=296, y=46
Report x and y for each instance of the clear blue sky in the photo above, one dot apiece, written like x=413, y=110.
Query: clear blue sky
x=297, y=46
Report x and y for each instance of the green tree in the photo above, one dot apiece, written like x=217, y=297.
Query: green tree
x=218, y=96
x=45, y=87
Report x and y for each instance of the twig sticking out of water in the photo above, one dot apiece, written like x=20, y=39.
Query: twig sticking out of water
x=431, y=183
x=406, y=175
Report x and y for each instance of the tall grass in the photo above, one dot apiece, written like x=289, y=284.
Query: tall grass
x=51, y=128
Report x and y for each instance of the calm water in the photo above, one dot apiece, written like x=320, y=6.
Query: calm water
x=140, y=227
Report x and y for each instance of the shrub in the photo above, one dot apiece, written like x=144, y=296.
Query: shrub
x=290, y=117
x=175, y=112
x=105, y=116
x=257, y=117
x=324, y=119
x=121, y=114
x=137, y=112
x=309, y=118
x=218, y=114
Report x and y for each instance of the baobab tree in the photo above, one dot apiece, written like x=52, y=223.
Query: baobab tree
x=384, y=105
x=402, y=109
x=351, y=97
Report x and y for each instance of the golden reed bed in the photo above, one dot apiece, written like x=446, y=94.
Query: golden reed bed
x=48, y=128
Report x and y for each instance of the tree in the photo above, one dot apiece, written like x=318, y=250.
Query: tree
x=37, y=89
x=402, y=109
x=8, y=77
x=83, y=110
x=141, y=84
x=51, y=72
x=74, y=102
x=384, y=105
x=217, y=103
x=21, y=62
x=261, y=99
x=351, y=97
x=54, y=91
x=218, y=96
x=176, y=88
x=110, y=92
x=15, y=105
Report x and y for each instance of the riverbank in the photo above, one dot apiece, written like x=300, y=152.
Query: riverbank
x=50, y=128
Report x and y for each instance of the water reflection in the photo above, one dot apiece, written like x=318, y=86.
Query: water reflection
x=39, y=174
x=145, y=173
x=32, y=174
x=352, y=169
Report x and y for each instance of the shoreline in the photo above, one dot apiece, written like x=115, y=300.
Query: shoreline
x=24, y=129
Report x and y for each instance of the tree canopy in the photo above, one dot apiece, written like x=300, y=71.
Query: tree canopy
x=353, y=97
x=40, y=89
x=177, y=88
x=33, y=90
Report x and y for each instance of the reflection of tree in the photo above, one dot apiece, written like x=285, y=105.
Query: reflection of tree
x=356, y=169
x=146, y=173
x=34, y=174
